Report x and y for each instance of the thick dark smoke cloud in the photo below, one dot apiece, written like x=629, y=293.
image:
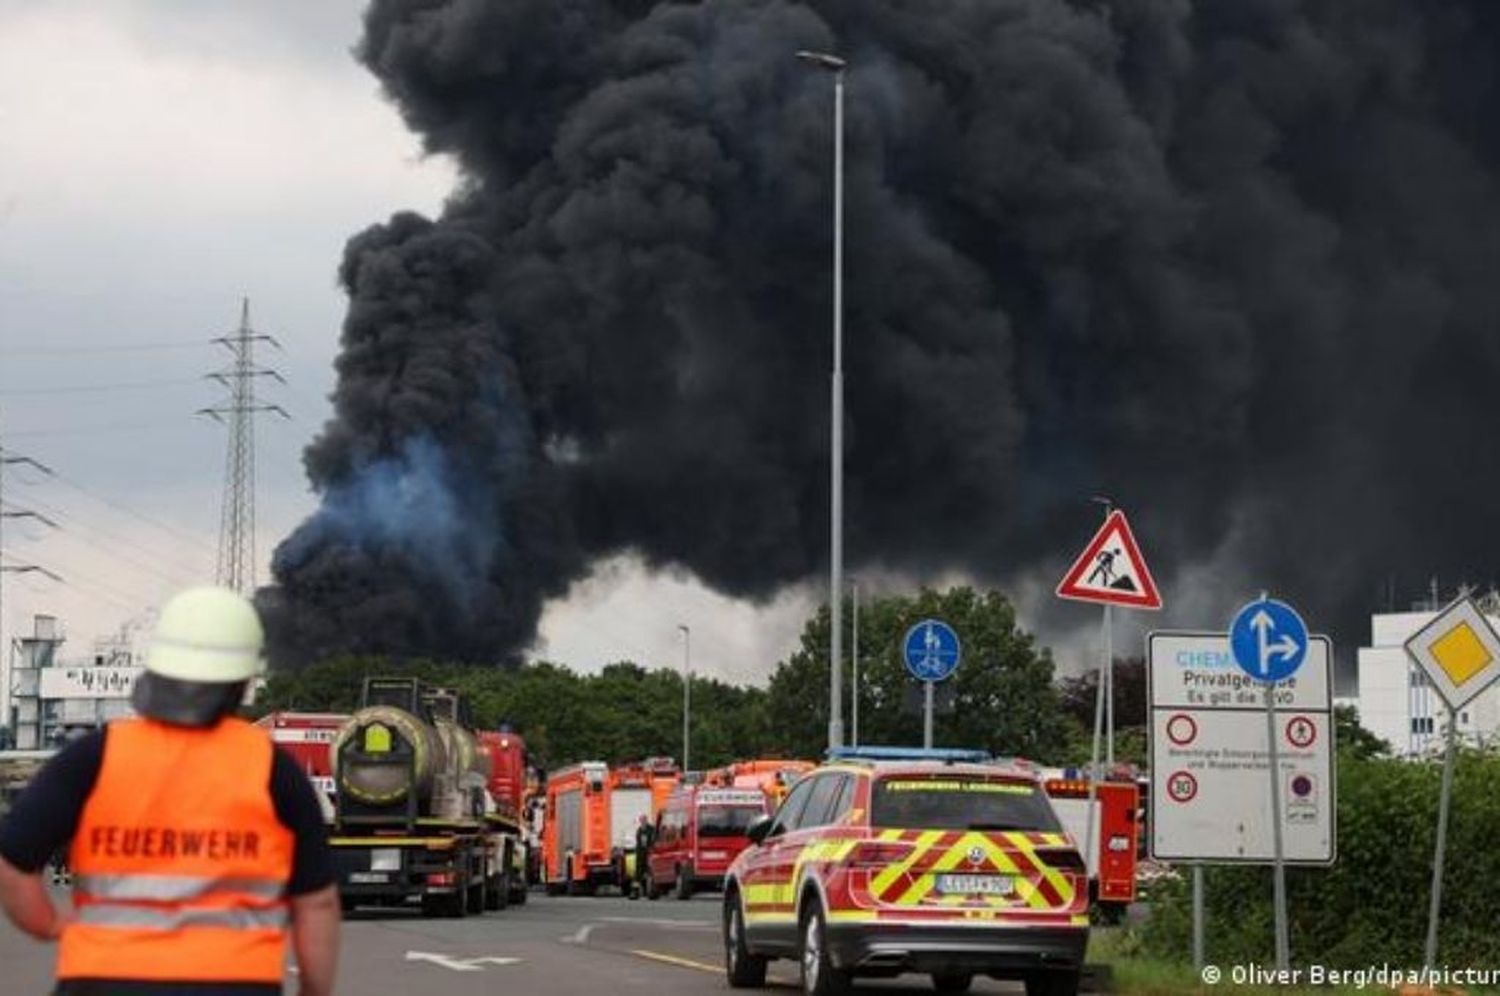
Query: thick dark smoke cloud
x=1231, y=262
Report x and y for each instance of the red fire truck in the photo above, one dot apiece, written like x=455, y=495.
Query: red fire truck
x=1117, y=812
x=308, y=737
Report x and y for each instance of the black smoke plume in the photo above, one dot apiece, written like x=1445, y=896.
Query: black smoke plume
x=1231, y=262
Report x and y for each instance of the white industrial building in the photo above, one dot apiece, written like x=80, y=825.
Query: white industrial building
x=1399, y=705
x=46, y=699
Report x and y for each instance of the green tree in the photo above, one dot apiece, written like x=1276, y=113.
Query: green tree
x=1352, y=738
x=1003, y=697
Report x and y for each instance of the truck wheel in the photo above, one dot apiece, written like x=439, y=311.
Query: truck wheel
x=684, y=888
x=518, y=892
x=496, y=895
x=476, y=897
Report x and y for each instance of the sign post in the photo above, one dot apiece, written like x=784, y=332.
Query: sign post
x=1460, y=653
x=931, y=651
x=1210, y=757
x=1110, y=571
x=1269, y=641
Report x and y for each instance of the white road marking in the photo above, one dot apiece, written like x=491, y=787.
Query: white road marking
x=459, y=964
x=662, y=922
x=581, y=935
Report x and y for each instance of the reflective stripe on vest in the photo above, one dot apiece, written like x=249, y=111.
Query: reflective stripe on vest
x=117, y=915
x=172, y=888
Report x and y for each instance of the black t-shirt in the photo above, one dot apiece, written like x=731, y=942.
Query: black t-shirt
x=47, y=813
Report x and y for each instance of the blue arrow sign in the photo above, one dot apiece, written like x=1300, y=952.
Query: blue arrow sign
x=932, y=650
x=1269, y=640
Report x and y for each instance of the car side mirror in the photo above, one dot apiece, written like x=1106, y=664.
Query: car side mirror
x=759, y=830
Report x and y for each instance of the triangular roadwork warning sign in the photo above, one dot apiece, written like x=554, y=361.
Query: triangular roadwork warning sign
x=1111, y=569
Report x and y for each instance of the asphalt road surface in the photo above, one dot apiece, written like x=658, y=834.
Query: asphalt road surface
x=550, y=946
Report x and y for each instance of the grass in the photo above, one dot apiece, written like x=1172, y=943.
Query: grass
x=1135, y=974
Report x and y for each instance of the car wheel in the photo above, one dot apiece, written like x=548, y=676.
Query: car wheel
x=819, y=976
x=745, y=970
x=684, y=883
x=952, y=982
x=1052, y=983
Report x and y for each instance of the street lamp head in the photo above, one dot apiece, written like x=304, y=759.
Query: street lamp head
x=832, y=63
x=683, y=628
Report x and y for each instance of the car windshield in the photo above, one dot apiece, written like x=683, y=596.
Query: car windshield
x=727, y=821
x=942, y=803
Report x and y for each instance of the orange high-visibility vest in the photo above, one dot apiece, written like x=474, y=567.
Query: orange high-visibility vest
x=180, y=865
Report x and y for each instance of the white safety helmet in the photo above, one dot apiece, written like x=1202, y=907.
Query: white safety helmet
x=207, y=636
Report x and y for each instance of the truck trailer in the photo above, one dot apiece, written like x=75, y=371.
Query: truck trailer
x=415, y=825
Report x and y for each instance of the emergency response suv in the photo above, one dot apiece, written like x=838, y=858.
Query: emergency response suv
x=887, y=861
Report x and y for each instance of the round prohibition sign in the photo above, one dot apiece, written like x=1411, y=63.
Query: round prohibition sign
x=1182, y=729
x=1182, y=786
x=1300, y=731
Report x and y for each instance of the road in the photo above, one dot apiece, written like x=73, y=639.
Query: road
x=550, y=946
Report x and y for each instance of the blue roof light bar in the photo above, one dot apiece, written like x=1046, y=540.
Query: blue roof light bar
x=951, y=755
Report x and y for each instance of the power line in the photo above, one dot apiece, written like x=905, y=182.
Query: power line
x=136, y=347
x=119, y=506
x=92, y=430
x=112, y=539
x=136, y=385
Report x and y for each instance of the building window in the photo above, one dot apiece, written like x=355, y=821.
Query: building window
x=1421, y=724
x=1463, y=718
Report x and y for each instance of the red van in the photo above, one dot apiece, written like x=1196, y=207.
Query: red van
x=699, y=832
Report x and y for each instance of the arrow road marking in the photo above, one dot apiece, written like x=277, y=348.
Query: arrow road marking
x=459, y=964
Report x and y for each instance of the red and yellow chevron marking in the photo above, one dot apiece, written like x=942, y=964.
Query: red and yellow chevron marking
x=907, y=887
x=911, y=881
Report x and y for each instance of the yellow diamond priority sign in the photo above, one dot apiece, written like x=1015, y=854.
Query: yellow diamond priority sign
x=1459, y=651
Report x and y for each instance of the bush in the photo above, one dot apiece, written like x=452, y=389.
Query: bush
x=1371, y=906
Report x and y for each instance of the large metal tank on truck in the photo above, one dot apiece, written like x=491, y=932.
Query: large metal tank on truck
x=413, y=817
x=406, y=755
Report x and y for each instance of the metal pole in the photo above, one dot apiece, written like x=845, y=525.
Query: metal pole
x=836, y=512
x=5, y=678
x=687, y=696
x=1283, y=943
x=1198, y=958
x=927, y=715
x=1109, y=687
x=1090, y=845
x=1442, y=843
x=854, y=654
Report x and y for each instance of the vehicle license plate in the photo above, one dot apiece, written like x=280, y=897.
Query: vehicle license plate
x=368, y=878
x=975, y=885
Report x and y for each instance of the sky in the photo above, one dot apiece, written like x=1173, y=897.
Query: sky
x=160, y=160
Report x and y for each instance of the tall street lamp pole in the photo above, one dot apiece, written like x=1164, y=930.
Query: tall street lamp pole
x=687, y=696
x=835, y=65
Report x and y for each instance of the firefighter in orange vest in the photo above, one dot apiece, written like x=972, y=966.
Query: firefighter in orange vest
x=198, y=848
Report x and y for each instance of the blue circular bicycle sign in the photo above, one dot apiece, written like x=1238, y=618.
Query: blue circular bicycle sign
x=932, y=650
x=1268, y=639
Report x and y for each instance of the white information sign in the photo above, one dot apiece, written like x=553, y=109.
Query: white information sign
x=1210, y=779
x=87, y=682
